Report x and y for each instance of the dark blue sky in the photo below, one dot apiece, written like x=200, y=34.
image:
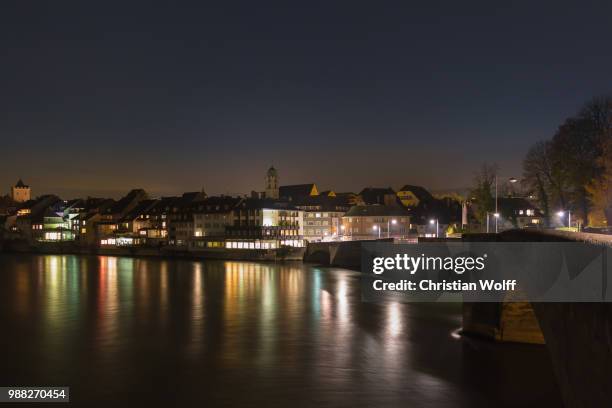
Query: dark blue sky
x=99, y=97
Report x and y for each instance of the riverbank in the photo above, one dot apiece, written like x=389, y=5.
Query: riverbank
x=71, y=248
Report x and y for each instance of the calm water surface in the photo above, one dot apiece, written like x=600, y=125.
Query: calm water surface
x=127, y=331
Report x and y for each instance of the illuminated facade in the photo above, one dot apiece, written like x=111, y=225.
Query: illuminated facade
x=376, y=221
x=213, y=215
x=269, y=221
x=323, y=217
x=20, y=192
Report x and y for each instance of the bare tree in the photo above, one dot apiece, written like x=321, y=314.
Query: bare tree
x=537, y=174
x=481, y=194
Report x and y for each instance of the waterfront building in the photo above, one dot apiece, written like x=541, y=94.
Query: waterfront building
x=21, y=192
x=180, y=220
x=133, y=228
x=120, y=208
x=213, y=215
x=28, y=222
x=376, y=221
x=109, y=222
x=322, y=217
x=265, y=224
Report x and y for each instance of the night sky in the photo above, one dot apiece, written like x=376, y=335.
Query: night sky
x=100, y=97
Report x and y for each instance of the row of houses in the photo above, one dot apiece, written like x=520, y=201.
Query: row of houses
x=279, y=216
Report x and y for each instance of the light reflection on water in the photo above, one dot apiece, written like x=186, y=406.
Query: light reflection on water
x=240, y=333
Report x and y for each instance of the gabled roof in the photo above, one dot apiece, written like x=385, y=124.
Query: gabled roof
x=163, y=205
x=330, y=193
x=377, y=211
x=297, y=191
x=127, y=201
x=375, y=195
x=38, y=206
x=322, y=203
x=419, y=192
x=141, y=208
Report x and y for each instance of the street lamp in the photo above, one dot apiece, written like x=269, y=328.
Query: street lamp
x=569, y=217
x=432, y=222
x=376, y=228
x=496, y=214
x=389, y=222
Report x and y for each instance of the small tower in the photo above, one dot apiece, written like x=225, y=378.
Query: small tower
x=20, y=192
x=272, y=183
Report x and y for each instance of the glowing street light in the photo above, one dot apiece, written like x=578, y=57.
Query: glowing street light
x=561, y=214
x=376, y=228
x=496, y=214
x=432, y=221
x=389, y=222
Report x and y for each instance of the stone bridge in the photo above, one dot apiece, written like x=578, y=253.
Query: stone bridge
x=578, y=335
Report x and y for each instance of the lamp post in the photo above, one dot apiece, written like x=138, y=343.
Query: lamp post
x=496, y=214
x=432, y=222
x=569, y=217
x=377, y=228
x=389, y=222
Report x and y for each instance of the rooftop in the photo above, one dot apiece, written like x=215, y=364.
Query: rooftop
x=21, y=184
x=377, y=211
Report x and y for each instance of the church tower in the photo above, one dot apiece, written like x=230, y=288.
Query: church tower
x=20, y=192
x=272, y=183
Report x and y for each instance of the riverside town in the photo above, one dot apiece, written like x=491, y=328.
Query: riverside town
x=274, y=222
x=306, y=204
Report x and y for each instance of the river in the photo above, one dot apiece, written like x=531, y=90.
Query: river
x=135, y=331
